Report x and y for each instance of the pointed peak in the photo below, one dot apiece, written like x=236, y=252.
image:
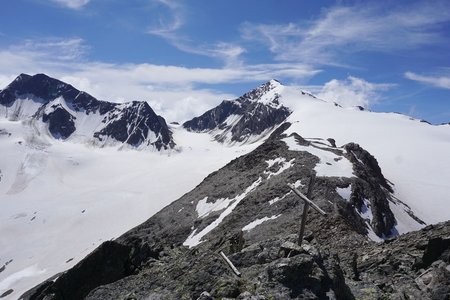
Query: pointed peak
x=39, y=85
x=42, y=76
x=22, y=76
x=270, y=85
x=275, y=82
x=37, y=77
x=265, y=88
x=25, y=81
x=267, y=94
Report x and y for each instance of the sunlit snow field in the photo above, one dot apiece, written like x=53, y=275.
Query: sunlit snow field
x=60, y=200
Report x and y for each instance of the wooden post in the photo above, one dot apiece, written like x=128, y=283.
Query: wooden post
x=230, y=264
x=306, y=203
x=312, y=180
x=303, y=223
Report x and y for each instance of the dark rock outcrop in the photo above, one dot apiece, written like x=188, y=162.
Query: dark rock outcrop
x=375, y=188
x=134, y=124
x=60, y=122
x=237, y=120
x=8, y=292
x=114, y=259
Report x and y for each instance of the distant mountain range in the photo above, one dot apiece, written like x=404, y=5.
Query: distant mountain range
x=69, y=114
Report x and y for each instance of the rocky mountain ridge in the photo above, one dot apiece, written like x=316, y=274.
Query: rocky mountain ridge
x=65, y=112
x=247, y=211
x=68, y=113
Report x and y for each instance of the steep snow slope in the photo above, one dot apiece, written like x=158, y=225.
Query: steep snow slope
x=59, y=200
x=413, y=155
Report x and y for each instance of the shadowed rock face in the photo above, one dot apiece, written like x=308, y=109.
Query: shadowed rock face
x=143, y=122
x=237, y=120
x=60, y=123
x=337, y=260
x=132, y=123
x=115, y=261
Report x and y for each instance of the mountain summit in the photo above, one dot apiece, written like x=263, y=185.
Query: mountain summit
x=245, y=119
x=62, y=111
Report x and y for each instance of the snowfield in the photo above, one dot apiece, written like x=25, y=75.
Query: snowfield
x=60, y=200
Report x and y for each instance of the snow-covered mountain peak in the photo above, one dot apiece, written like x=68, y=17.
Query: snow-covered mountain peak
x=266, y=94
x=246, y=119
x=39, y=85
x=58, y=110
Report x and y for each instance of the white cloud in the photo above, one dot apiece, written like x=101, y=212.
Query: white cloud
x=352, y=92
x=166, y=88
x=350, y=29
x=436, y=81
x=167, y=26
x=6, y=79
x=171, y=91
x=173, y=102
x=73, y=4
x=52, y=49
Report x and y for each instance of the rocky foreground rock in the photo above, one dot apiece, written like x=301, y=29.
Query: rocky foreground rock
x=413, y=266
x=247, y=211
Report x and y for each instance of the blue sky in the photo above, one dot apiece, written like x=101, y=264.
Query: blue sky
x=184, y=57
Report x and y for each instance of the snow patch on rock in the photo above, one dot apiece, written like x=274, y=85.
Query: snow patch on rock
x=330, y=164
x=195, y=238
x=257, y=222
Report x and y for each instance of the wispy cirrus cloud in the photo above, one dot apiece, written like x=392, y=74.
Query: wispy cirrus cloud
x=440, y=81
x=73, y=4
x=55, y=48
x=169, y=25
x=350, y=29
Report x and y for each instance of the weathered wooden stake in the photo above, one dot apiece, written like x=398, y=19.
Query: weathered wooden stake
x=230, y=264
x=312, y=180
x=306, y=203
